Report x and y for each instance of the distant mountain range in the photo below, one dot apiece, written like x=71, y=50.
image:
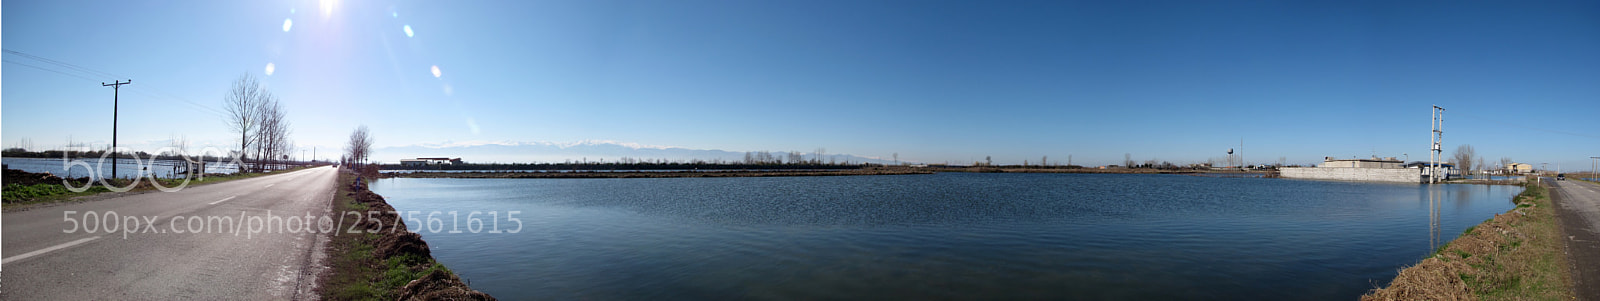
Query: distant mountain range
x=591, y=150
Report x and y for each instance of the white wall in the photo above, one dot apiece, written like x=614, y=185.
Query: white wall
x=1403, y=175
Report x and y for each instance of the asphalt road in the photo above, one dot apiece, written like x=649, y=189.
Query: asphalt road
x=155, y=262
x=1578, y=205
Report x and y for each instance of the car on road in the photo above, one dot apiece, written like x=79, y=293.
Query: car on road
x=1561, y=177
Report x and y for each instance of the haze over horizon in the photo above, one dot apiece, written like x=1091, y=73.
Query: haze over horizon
x=932, y=81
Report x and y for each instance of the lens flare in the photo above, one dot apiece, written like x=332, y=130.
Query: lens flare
x=271, y=68
x=287, y=23
x=408, y=30
x=436, y=71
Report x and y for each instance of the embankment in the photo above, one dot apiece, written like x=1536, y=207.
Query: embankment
x=381, y=259
x=1517, y=255
x=663, y=174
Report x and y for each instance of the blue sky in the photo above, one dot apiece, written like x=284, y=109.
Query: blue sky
x=1180, y=81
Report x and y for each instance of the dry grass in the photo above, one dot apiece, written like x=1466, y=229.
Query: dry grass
x=389, y=264
x=1516, y=255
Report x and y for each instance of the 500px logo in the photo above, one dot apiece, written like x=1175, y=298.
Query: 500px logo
x=142, y=166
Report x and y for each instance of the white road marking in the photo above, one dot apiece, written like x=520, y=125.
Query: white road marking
x=222, y=200
x=270, y=185
x=47, y=250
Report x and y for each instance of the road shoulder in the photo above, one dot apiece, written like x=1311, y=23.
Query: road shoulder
x=1575, y=209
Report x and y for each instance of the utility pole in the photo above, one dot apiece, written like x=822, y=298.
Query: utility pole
x=1594, y=164
x=116, y=88
x=1437, y=138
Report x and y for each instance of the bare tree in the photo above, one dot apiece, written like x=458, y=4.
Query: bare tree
x=243, y=105
x=360, y=145
x=1463, y=157
x=272, y=134
x=1044, y=160
x=179, y=144
x=1505, y=162
x=896, y=158
x=1127, y=160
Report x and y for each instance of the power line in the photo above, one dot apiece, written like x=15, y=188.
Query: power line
x=151, y=92
x=51, y=70
x=65, y=64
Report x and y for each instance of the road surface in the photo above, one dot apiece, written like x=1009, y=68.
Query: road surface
x=154, y=262
x=1578, y=205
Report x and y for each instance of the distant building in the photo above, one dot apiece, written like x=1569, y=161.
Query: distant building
x=1375, y=162
x=1446, y=169
x=429, y=161
x=1519, y=168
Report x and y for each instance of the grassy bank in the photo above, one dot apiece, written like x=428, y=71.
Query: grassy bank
x=27, y=190
x=1516, y=255
x=388, y=264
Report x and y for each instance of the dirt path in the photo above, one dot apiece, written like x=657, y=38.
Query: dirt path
x=1578, y=208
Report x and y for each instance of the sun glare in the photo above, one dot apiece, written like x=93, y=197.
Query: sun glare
x=327, y=6
x=287, y=23
x=436, y=71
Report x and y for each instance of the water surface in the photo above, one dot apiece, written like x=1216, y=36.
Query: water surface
x=127, y=167
x=947, y=235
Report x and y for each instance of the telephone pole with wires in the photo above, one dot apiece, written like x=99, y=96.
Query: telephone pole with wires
x=116, y=88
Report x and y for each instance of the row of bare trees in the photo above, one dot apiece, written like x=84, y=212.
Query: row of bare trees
x=260, y=120
x=791, y=157
x=359, y=147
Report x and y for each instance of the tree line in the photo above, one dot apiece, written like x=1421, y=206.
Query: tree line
x=261, y=122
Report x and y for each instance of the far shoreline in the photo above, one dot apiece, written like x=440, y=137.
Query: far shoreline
x=648, y=174
x=722, y=173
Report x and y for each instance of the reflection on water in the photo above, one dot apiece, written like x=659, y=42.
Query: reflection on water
x=943, y=236
x=1434, y=202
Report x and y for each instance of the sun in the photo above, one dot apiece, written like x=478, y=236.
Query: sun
x=327, y=6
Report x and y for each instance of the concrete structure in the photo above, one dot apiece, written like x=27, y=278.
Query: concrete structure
x=413, y=163
x=1372, y=170
x=1401, y=175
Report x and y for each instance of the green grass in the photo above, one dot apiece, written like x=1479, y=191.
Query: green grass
x=36, y=193
x=357, y=274
x=24, y=195
x=1527, y=267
